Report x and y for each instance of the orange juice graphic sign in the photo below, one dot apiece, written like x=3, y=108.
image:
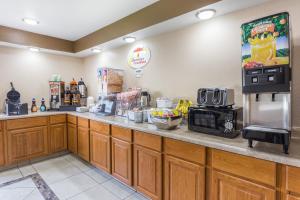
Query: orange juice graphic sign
x=265, y=42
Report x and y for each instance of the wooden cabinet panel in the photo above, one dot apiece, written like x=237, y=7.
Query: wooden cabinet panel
x=72, y=138
x=293, y=179
x=100, y=151
x=121, y=133
x=26, y=123
x=226, y=187
x=291, y=197
x=57, y=119
x=183, y=180
x=100, y=127
x=122, y=160
x=72, y=119
x=148, y=172
x=2, y=154
x=58, y=137
x=82, y=122
x=245, y=166
x=184, y=150
x=27, y=143
x=84, y=143
x=148, y=140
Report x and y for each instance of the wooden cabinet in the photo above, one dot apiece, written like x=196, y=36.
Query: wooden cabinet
x=293, y=179
x=183, y=180
x=27, y=143
x=100, y=151
x=72, y=138
x=148, y=164
x=2, y=154
x=58, y=138
x=292, y=197
x=148, y=172
x=184, y=171
x=227, y=187
x=84, y=143
x=122, y=160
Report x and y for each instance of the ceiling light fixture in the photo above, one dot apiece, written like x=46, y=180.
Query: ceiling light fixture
x=129, y=39
x=96, y=50
x=34, y=49
x=29, y=21
x=205, y=14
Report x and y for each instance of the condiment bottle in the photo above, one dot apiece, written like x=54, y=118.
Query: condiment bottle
x=34, y=108
x=43, y=106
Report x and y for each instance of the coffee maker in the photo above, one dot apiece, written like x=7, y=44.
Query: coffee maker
x=267, y=81
x=13, y=105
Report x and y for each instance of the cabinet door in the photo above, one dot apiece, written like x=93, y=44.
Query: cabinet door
x=183, y=180
x=122, y=160
x=148, y=172
x=58, y=138
x=100, y=151
x=27, y=143
x=291, y=197
x=226, y=187
x=2, y=160
x=84, y=143
x=72, y=138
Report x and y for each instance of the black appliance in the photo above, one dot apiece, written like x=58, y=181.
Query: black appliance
x=215, y=97
x=13, y=106
x=219, y=121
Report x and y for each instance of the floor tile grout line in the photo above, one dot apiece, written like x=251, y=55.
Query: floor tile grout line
x=29, y=194
x=83, y=191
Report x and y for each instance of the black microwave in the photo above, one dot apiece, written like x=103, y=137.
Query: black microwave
x=225, y=122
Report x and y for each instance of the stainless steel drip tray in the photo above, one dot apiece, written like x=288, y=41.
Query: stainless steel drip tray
x=266, y=129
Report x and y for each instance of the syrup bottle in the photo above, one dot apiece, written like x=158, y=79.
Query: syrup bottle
x=43, y=106
x=34, y=108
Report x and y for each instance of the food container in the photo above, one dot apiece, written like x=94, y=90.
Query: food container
x=166, y=123
x=136, y=116
x=164, y=103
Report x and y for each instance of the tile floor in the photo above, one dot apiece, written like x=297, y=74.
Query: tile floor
x=69, y=178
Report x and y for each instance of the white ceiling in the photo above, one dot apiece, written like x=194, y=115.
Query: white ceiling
x=67, y=19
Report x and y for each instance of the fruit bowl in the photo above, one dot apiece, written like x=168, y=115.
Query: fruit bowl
x=166, y=123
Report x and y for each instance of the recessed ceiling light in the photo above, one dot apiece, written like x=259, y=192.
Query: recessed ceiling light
x=129, y=39
x=29, y=21
x=34, y=49
x=96, y=50
x=205, y=14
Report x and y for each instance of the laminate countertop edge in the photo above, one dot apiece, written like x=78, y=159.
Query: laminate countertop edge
x=264, y=151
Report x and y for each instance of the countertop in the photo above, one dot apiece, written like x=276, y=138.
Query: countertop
x=265, y=151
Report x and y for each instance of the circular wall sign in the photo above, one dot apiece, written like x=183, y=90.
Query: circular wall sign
x=139, y=57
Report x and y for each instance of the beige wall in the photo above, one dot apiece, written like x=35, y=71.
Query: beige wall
x=206, y=54
x=30, y=72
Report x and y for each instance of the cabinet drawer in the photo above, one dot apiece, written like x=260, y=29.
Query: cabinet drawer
x=99, y=127
x=26, y=123
x=148, y=140
x=121, y=133
x=293, y=179
x=72, y=119
x=184, y=150
x=250, y=168
x=82, y=122
x=57, y=119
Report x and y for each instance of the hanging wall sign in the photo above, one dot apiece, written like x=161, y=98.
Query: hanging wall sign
x=139, y=57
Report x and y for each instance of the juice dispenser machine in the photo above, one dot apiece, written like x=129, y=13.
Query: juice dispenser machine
x=267, y=80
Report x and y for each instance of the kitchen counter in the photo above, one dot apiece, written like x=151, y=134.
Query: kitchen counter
x=265, y=151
